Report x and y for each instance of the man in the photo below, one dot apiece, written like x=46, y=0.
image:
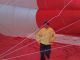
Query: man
x=45, y=37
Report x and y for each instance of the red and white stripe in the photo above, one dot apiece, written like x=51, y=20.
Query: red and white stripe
x=22, y=17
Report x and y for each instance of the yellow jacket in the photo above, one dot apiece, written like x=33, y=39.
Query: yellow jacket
x=45, y=36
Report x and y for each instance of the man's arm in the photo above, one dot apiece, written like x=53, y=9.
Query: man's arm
x=52, y=36
x=38, y=36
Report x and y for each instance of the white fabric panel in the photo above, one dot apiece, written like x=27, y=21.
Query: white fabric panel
x=15, y=21
x=20, y=3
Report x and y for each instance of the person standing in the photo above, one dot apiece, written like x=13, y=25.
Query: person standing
x=45, y=36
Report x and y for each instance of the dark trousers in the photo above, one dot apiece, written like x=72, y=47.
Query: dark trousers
x=45, y=50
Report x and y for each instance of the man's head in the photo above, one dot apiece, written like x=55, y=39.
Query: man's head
x=46, y=24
